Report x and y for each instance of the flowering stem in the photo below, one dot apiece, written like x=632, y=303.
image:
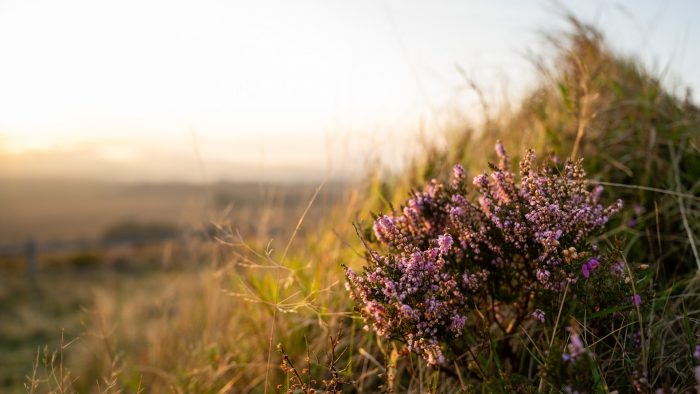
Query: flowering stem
x=639, y=314
x=556, y=325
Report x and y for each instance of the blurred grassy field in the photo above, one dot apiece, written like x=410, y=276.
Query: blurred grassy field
x=143, y=275
x=54, y=210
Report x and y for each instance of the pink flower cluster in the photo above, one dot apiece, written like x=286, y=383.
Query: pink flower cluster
x=576, y=348
x=445, y=256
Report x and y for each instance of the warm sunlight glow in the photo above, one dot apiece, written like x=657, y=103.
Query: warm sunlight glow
x=256, y=82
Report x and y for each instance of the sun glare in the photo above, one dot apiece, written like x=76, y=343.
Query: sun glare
x=150, y=73
x=18, y=144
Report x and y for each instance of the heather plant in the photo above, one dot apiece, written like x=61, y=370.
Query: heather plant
x=452, y=277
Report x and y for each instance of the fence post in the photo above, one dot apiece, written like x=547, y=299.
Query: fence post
x=30, y=254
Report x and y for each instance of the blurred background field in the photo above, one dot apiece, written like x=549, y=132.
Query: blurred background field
x=184, y=280
x=74, y=210
x=121, y=242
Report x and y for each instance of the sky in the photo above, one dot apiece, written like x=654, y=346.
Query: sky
x=162, y=90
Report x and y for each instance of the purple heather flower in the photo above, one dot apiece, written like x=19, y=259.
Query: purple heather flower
x=593, y=264
x=384, y=229
x=539, y=315
x=569, y=390
x=445, y=243
x=481, y=181
x=576, y=347
x=500, y=150
x=636, y=300
x=455, y=213
x=634, y=220
x=503, y=158
x=588, y=267
x=407, y=310
x=435, y=356
x=696, y=353
x=585, y=270
x=618, y=269
x=596, y=193
x=458, y=171
x=457, y=323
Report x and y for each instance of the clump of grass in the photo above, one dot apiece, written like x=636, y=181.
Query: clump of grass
x=51, y=374
x=301, y=380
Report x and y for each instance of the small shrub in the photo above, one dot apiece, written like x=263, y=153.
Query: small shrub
x=452, y=276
